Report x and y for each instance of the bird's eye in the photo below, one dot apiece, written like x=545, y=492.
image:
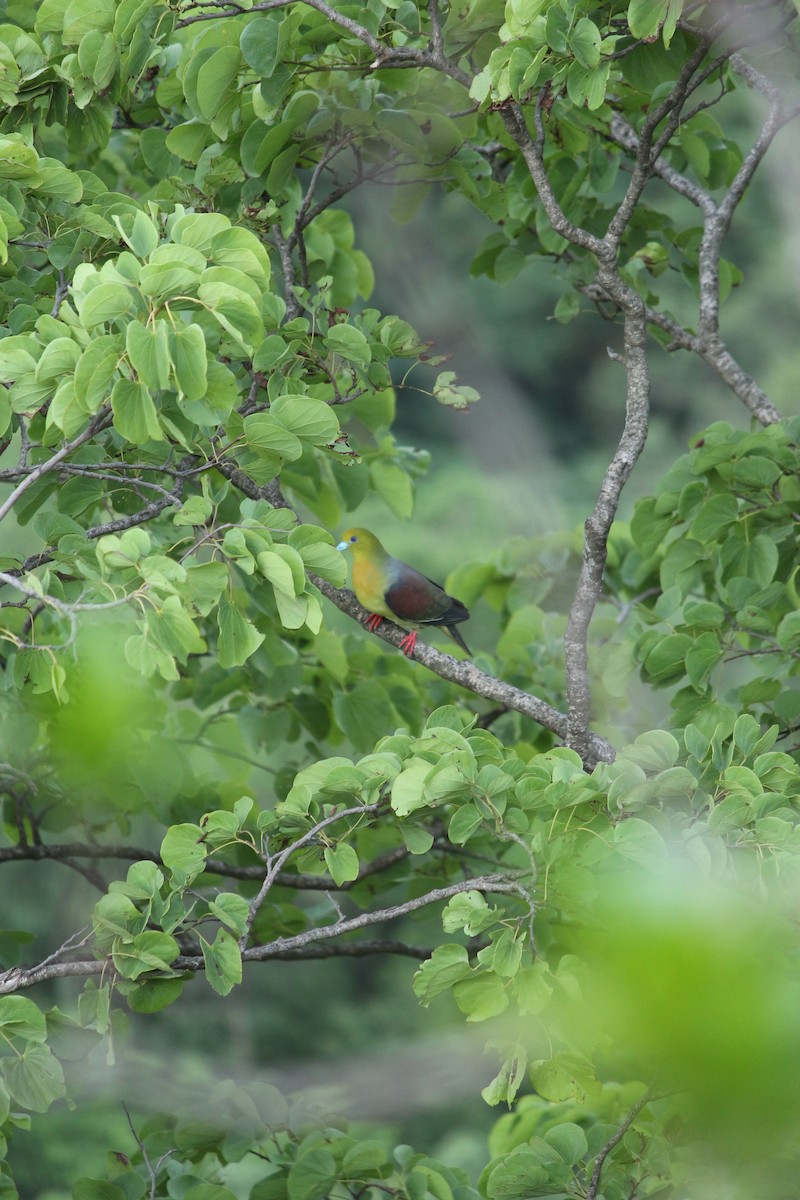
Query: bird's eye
x=354, y=538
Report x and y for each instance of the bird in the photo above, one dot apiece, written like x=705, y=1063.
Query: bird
x=391, y=588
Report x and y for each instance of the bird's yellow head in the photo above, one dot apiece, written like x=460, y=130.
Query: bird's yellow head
x=360, y=541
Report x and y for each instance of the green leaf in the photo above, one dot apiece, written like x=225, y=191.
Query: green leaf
x=151, y=995
x=393, y=486
x=519, y=1175
x=342, y=862
x=135, y=416
x=308, y=419
x=666, y=660
x=215, y=79
x=312, y=1175
x=96, y=1189
x=756, y=559
x=469, y=911
x=505, y=1085
x=349, y=343
x=259, y=44
x=569, y=1141
x=195, y=511
x=106, y=302
x=183, y=853
x=565, y=1077
x=138, y=231
x=236, y=312
x=363, y=714
x=20, y=1017
x=223, y=961
x=149, y=951
x=788, y=634
x=446, y=966
x=533, y=989
x=275, y=568
x=701, y=659
x=507, y=953
x=96, y=368
x=238, y=637
x=756, y=471
x=453, y=395
x=482, y=996
x=188, y=140
x=464, y=822
x=18, y=160
x=187, y=349
x=584, y=42
x=265, y=432
x=35, y=1078
x=147, y=347
x=319, y=554
x=408, y=789
x=231, y=909
x=645, y=17
x=716, y=514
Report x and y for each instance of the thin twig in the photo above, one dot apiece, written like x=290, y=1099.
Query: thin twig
x=152, y=1171
x=97, y=423
x=613, y=1142
x=274, y=865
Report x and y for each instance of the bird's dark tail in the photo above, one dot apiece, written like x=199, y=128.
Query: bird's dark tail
x=455, y=634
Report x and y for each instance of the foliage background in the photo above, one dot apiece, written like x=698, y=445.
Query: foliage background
x=524, y=462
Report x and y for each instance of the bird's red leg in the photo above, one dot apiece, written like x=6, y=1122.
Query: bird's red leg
x=373, y=621
x=408, y=643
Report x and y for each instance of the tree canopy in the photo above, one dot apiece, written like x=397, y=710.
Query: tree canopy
x=196, y=392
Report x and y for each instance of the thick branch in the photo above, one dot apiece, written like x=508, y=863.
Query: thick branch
x=70, y=851
x=716, y=223
x=468, y=676
x=598, y=524
x=532, y=153
x=464, y=673
x=19, y=978
x=714, y=351
x=625, y=136
x=289, y=275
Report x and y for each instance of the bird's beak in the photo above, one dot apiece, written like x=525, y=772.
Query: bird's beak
x=343, y=546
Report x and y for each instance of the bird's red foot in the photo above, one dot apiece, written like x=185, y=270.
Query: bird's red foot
x=373, y=621
x=408, y=643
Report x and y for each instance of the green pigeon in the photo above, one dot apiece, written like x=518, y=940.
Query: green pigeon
x=391, y=588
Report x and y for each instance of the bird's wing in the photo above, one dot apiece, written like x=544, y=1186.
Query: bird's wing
x=413, y=597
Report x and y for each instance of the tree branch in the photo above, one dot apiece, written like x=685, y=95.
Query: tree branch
x=274, y=864
x=647, y=154
x=95, y=425
x=289, y=275
x=625, y=136
x=716, y=223
x=612, y=1143
x=19, y=978
x=598, y=524
x=532, y=153
x=467, y=675
x=25, y=852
